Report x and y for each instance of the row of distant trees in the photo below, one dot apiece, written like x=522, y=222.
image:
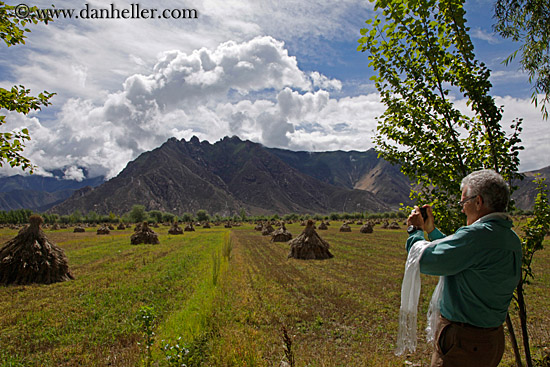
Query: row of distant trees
x=138, y=214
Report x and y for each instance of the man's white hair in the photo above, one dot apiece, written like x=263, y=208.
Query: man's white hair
x=490, y=186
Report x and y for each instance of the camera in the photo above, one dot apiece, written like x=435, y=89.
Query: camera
x=424, y=213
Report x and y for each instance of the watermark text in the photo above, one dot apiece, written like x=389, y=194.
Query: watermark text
x=134, y=11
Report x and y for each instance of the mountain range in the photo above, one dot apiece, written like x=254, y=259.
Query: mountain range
x=524, y=196
x=227, y=177
x=40, y=193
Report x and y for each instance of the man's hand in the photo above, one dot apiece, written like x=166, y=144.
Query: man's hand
x=429, y=223
x=416, y=219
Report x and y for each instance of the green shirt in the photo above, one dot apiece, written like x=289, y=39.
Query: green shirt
x=481, y=264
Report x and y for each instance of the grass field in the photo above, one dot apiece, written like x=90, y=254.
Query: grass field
x=227, y=295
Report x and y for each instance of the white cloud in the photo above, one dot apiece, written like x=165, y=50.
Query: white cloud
x=89, y=58
x=74, y=173
x=321, y=81
x=535, y=135
x=481, y=34
x=184, y=94
x=125, y=86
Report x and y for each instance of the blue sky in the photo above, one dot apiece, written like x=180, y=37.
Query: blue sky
x=283, y=74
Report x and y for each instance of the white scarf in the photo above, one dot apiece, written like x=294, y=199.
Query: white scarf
x=410, y=292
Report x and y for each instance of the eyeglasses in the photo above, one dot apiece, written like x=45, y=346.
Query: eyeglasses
x=462, y=202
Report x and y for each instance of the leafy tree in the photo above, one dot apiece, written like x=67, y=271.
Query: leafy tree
x=202, y=216
x=535, y=230
x=155, y=216
x=375, y=216
x=125, y=218
x=113, y=218
x=291, y=216
x=17, y=98
x=168, y=217
x=358, y=215
x=91, y=217
x=425, y=58
x=137, y=214
x=345, y=216
x=186, y=217
x=19, y=216
x=76, y=217
x=528, y=22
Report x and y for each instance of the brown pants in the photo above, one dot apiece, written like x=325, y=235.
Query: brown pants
x=463, y=345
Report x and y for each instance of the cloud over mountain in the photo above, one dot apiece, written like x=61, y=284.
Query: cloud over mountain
x=253, y=89
x=285, y=74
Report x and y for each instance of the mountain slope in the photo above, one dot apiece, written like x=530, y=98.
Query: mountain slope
x=164, y=179
x=224, y=178
x=38, y=193
x=353, y=170
x=228, y=176
x=524, y=196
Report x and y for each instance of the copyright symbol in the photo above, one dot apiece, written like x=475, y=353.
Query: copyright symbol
x=22, y=11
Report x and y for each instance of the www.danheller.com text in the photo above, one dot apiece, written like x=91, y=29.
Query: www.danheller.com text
x=135, y=11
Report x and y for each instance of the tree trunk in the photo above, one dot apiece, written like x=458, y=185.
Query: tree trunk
x=513, y=340
x=523, y=320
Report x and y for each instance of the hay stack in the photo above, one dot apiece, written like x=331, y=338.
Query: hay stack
x=144, y=235
x=228, y=225
x=323, y=226
x=78, y=229
x=175, y=229
x=267, y=229
x=103, y=230
x=308, y=245
x=345, y=228
x=121, y=226
x=31, y=258
x=258, y=227
x=189, y=227
x=366, y=228
x=55, y=227
x=394, y=225
x=281, y=235
x=206, y=225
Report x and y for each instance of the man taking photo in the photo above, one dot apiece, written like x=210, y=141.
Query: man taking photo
x=481, y=266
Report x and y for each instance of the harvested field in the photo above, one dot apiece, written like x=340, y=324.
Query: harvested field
x=227, y=293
